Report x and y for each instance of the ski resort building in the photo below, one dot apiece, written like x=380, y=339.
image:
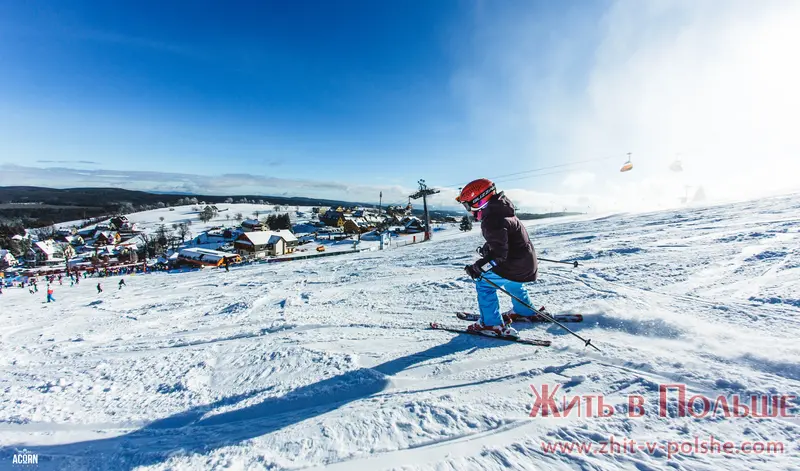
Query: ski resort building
x=260, y=244
x=44, y=252
x=206, y=258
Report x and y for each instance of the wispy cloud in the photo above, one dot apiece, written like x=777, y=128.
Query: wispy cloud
x=85, y=162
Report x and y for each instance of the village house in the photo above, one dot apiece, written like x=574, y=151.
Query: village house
x=333, y=217
x=87, y=232
x=44, y=251
x=74, y=240
x=119, y=222
x=107, y=238
x=358, y=225
x=7, y=259
x=206, y=258
x=123, y=225
x=260, y=244
x=251, y=225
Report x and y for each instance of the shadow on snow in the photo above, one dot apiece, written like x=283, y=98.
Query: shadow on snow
x=192, y=431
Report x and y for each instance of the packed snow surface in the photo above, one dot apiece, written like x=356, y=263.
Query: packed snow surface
x=328, y=362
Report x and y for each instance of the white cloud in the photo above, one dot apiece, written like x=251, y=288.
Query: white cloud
x=220, y=184
x=717, y=82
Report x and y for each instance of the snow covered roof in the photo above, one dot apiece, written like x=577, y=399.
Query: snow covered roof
x=17, y=237
x=46, y=246
x=262, y=237
x=107, y=234
x=73, y=238
x=7, y=256
x=287, y=235
x=134, y=241
x=205, y=255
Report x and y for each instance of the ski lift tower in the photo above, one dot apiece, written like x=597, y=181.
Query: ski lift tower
x=423, y=193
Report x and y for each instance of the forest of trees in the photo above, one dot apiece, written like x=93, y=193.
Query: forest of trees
x=39, y=207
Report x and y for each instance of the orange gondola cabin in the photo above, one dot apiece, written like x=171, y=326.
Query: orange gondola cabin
x=628, y=165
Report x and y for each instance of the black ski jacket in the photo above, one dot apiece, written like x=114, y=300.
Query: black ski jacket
x=507, y=242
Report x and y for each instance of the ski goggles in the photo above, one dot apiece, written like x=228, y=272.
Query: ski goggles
x=478, y=207
x=480, y=201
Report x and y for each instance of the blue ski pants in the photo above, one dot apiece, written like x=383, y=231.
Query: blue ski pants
x=489, y=303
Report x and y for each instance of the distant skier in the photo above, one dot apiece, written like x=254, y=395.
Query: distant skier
x=50, y=298
x=99, y=288
x=121, y=283
x=226, y=264
x=508, y=258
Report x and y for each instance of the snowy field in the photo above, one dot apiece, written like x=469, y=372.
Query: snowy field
x=328, y=363
x=149, y=221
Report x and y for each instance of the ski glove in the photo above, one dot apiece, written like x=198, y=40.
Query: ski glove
x=475, y=271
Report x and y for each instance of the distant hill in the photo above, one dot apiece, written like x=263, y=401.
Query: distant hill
x=531, y=216
x=38, y=207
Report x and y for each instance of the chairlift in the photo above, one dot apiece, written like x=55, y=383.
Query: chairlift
x=628, y=165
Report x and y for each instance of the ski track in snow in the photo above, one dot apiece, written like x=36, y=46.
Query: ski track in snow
x=327, y=363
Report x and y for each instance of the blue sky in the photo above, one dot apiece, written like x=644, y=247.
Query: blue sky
x=329, y=99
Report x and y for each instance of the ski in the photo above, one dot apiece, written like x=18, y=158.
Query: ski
x=468, y=316
x=456, y=330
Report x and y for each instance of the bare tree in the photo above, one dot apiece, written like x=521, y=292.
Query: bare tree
x=183, y=231
x=238, y=217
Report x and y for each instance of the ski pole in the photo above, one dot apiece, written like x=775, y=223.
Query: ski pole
x=574, y=263
x=544, y=314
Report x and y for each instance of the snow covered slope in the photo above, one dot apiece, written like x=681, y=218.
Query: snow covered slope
x=149, y=221
x=328, y=363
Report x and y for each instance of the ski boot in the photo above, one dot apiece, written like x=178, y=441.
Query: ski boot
x=493, y=330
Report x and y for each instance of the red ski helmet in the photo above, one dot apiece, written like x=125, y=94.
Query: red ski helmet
x=476, y=195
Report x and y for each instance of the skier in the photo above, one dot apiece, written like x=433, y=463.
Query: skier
x=121, y=283
x=99, y=288
x=508, y=258
x=50, y=297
